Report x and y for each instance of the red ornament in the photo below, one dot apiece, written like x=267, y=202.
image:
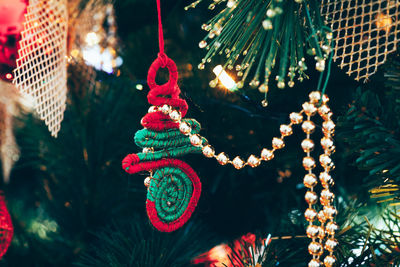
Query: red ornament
x=6, y=227
x=11, y=19
x=224, y=255
x=174, y=189
x=163, y=218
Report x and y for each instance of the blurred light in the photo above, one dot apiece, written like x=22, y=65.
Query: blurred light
x=9, y=76
x=224, y=78
x=220, y=254
x=75, y=53
x=300, y=186
x=43, y=228
x=101, y=59
x=92, y=39
x=384, y=22
x=231, y=3
x=268, y=240
x=28, y=102
x=139, y=86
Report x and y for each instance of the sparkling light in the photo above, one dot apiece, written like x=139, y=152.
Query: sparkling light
x=231, y=3
x=74, y=53
x=224, y=78
x=92, y=39
x=384, y=21
x=101, y=59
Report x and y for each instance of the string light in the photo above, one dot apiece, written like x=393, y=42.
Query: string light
x=74, y=53
x=100, y=42
x=252, y=42
x=224, y=78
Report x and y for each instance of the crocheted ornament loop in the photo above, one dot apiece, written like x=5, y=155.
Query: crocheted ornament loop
x=162, y=61
x=167, y=93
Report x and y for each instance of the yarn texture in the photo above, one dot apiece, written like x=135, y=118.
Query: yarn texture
x=175, y=188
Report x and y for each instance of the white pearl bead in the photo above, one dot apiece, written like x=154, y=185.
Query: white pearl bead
x=166, y=109
x=175, y=115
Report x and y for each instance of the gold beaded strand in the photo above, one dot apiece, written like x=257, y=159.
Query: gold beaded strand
x=310, y=181
x=322, y=236
x=327, y=197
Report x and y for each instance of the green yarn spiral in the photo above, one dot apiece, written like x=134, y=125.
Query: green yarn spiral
x=168, y=144
x=170, y=190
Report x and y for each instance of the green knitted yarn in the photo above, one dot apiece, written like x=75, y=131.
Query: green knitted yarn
x=147, y=138
x=170, y=138
x=170, y=190
x=171, y=143
x=169, y=153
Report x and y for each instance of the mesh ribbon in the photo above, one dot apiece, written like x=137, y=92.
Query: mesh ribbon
x=366, y=32
x=42, y=64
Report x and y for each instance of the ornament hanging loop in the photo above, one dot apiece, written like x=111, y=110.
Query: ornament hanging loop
x=163, y=58
x=162, y=62
x=160, y=30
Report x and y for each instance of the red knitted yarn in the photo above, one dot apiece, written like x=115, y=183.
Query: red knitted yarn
x=131, y=166
x=129, y=161
x=157, y=121
x=167, y=93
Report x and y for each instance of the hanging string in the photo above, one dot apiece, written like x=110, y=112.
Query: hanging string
x=324, y=76
x=161, y=54
x=328, y=73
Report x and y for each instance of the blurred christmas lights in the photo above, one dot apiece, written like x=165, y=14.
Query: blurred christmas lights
x=92, y=39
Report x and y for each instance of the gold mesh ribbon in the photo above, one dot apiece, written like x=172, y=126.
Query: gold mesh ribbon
x=366, y=31
x=42, y=64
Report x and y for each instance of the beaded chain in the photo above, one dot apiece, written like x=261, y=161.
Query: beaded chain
x=322, y=236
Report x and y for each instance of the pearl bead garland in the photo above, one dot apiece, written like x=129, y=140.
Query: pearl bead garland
x=322, y=236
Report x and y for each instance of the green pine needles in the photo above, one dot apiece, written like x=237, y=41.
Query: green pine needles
x=372, y=137
x=136, y=244
x=260, y=38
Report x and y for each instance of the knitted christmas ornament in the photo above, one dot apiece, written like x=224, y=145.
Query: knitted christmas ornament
x=173, y=186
